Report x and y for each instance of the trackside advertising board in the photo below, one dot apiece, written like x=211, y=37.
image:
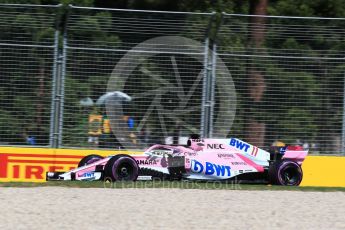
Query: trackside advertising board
x=30, y=165
x=324, y=171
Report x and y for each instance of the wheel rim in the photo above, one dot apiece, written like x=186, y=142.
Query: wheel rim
x=123, y=171
x=290, y=175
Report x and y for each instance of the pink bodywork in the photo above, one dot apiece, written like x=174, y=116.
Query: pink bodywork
x=221, y=155
x=297, y=156
x=212, y=158
x=91, y=167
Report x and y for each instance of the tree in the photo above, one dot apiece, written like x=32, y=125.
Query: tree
x=254, y=129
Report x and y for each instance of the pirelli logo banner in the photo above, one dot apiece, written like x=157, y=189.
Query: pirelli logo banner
x=31, y=164
x=32, y=167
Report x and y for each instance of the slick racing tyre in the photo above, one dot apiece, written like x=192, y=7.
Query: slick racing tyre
x=121, y=168
x=89, y=160
x=285, y=172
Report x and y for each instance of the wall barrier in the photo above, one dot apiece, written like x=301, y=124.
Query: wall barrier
x=30, y=165
x=324, y=171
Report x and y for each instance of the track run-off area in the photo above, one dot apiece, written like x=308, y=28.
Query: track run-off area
x=169, y=205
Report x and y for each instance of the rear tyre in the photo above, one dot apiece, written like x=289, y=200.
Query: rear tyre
x=121, y=168
x=89, y=160
x=285, y=172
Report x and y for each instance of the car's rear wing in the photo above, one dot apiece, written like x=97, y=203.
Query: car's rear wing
x=295, y=155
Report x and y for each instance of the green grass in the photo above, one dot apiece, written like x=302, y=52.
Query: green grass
x=168, y=184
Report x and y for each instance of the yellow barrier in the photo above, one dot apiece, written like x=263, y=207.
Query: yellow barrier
x=30, y=165
x=324, y=171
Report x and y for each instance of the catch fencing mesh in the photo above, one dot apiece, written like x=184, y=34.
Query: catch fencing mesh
x=109, y=78
x=27, y=38
x=289, y=78
x=133, y=78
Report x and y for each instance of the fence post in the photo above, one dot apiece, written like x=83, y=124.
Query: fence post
x=212, y=86
x=62, y=88
x=58, y=88
x=57, y=118
x=205, y=91
x=54, y=99
x=343, y=127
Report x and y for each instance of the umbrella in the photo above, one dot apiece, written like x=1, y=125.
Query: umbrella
x=116, y=96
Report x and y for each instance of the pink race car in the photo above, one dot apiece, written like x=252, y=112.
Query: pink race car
x=201, y=159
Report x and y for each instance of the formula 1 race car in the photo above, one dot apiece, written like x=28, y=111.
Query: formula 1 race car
x=201, y=159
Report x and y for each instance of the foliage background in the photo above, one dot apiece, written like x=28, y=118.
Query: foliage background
x=310, y=87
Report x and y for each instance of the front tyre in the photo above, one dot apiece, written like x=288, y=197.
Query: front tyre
x=285, y=172
x=121, y=168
